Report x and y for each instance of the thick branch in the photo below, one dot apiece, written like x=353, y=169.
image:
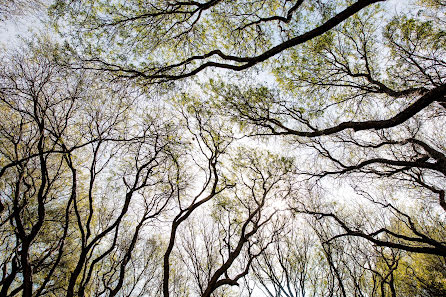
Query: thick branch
x=246, y=62
x=435, y=95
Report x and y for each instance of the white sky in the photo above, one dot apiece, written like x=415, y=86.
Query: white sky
x=22, y=25
x=25, y=25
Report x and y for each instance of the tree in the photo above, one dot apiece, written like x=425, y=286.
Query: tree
x=292, y=265
x=363, y=120
x=58, y=153
x=405, y=273
x=240, y=217
x=212, y=34
x=87, y=181
x=113, y=148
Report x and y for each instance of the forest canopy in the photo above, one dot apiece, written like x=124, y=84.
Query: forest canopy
x=224, y=148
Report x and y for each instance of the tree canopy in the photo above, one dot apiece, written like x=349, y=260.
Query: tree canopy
x=225, y=148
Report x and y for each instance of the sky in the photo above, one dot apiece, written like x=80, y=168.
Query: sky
x=27, y=24
x=22, y=25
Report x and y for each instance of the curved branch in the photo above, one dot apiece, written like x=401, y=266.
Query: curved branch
x=162, y=75
x=435, y=95
x=432, y=247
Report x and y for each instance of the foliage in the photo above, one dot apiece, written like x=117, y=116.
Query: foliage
x=226, y=148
